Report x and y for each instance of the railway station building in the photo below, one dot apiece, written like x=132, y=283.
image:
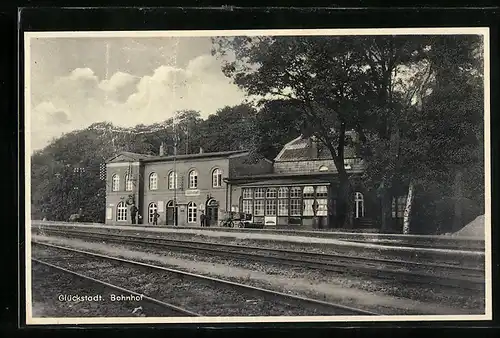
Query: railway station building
x=296, y=190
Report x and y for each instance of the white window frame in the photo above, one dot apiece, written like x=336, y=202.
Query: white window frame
x=153, y=181
x=271, y=193
x=359, y=205
x=152, y=208
x=258, y=207
x=296, y=206
x=172, y=179
x=247, y=206
x=129, y=183
x=259, y=193
x=308, y=207
x=270, y=207
x=247, y=193
x=193, y=179
x=192, y=212
x=115, y=182
x=283, y=192
x=121, y=212
x=283, y=207
x=296, y=192
x=216, y=178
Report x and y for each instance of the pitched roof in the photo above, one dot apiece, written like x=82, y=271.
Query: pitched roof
x=130, y=155
x=301, y=149
x=230, y=153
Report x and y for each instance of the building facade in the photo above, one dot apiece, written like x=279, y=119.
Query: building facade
x=299, y=189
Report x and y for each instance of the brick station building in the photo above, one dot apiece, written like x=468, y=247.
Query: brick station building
x=298, y=189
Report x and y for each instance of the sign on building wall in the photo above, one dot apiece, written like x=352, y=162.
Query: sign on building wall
x=192, y=192
x=160, y=206
x=109, y=213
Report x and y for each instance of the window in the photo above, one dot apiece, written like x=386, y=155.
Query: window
x=193, y=179
x=153, y=181
x=283, y=192
x=216, y=178
x=323, y=168
x=247, y=206
x=259, y=208
x=270, y=207
x=322, y=191
x=295, y=207
x=283, y=207
x=308, y=192
x=247, y=193
x=192, y=212
x=271, y=193
x=308, y=207
x=259, y=193
x=398, y=207
x=322, y=205
x=129, y=183
x=173, y=182
x=115, y=182
x=359, y=205
x=121, y=212
x=152, y=208
x=295, y=192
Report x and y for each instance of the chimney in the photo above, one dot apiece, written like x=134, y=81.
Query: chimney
x=201, y=150
x=162, y=149
x=313, y=144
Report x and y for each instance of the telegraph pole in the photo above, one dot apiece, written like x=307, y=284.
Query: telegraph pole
x=79, y=171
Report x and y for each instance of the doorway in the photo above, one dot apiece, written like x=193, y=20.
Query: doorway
x=172, y=214
x=212, y=212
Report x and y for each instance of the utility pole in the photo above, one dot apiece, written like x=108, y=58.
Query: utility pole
x=79, y=171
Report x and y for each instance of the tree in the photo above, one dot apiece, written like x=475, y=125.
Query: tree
x=322, y=77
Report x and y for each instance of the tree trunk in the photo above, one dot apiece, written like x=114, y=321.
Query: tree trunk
x=386, y=211
x=407, y=213
x=345, y=202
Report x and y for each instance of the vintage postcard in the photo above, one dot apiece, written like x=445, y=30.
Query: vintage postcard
x=325, y=175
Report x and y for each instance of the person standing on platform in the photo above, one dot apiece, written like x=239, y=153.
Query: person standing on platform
x=155, y=218
x=133, y=212
x=202, y=219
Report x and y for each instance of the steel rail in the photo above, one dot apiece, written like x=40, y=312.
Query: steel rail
x=328, y=262
x=270, y=294
x=145, y=298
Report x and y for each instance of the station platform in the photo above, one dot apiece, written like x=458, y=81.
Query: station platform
x=263, y=235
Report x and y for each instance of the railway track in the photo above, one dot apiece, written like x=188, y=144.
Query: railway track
x=203, y=295
x=157, y=305
x=420, y=241
x=447, y=275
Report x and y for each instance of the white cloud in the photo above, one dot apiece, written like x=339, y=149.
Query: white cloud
x=81, y=98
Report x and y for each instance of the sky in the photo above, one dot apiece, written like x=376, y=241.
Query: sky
x=75, y=82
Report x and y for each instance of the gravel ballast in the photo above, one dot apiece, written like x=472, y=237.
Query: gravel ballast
x=53, y=291
x=382, y=296
x=205, y=298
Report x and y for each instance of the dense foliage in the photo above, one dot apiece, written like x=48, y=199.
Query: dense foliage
x=416, y=102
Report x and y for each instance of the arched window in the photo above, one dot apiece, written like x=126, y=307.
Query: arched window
x=216, y=178
x=192, y=212
x=173, y=183
x=323, y=168
x=115, y=182
x=153, y=181
x=121, y=212
x=129, y=183
x=359, y=205
x=193, y=179
x=152, y=208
